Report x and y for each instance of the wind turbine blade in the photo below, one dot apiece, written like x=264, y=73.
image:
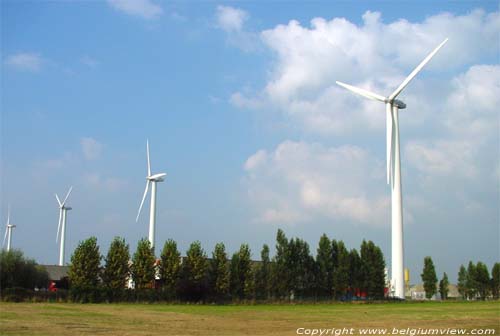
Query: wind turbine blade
x=388, y=140
x=142, y=202
x=362, y=92
x=416, y=71
x=67, y=195
x=59, y=225
x=58, y=200
x=149, y=162
x=8, y=214
x=5, y=236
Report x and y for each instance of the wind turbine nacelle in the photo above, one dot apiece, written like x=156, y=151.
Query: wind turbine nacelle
x=68, y=208
x=157, y=177
x=400, y=105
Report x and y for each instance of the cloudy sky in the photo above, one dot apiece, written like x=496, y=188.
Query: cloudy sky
x=242, y=112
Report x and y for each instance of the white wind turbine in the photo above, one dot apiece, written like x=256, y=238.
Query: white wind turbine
x=61, y=227
x=8, y=231
x=151, y=179
x=392, y=106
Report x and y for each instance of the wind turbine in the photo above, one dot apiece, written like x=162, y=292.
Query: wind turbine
x=61, y=227
x=151, y=179
x=392, y=106
x=8, y=231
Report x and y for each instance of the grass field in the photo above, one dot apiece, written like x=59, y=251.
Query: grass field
x=159, y=319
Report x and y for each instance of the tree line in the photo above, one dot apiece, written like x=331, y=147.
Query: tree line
x=474, y=282
x=292, y=274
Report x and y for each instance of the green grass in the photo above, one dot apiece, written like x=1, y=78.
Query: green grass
x=163, y=319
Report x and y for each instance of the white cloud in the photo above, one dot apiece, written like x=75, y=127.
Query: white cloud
x=300, y=182
x=145, y=9
x=308, y=60
x=91, y=148
x=25, y=61
x=230, y=19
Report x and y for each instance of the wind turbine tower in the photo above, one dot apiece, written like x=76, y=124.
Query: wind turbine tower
x=61, y=227
x=8, y=231
x=151, y=179
x=392, y=106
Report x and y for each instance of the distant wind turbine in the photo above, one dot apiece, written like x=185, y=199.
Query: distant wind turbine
x=151, y=179
x=8, y=231
x=392, y=106
x=61, y=227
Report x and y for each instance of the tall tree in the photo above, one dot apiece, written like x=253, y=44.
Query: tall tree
x=482, y=280
x=263, y=275
x=116, y=271
x=324, y=264
x=341, y=273
x=246, y=278
x=301, y=269
x=85, y=265
x=280, y=273
x=429, y=278
x=219, y=272
x=373, y=270
x=495, y=280
x=355, y=271
x=143, y=265
x=170, y=267
x=470, y=284
x=195, y=272
x=462, y=282
x=235, y=287
x=443, y=287
x=84, y=271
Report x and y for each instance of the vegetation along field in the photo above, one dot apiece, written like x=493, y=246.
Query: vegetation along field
x=159, y=319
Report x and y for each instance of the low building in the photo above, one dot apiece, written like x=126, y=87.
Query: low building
x=58, y=277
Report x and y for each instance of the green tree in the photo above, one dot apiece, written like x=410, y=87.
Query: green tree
x=245, y=275
x=143, y=265
x=429, y=278
x=341, y=273
x=495, y=280
x=84, y=271
x=194, y=273
x=324, y=264
x=443, y=287
x=300, y=267
x=372, y=270
x=280, y=272
x=263, y=275
x=462, y=282
x=116, y=271
x=470, y=283
x=18, y=271
x=355, y=270
x=170, y=267
x=234, y=277
x=219, y=272
x=482, y=280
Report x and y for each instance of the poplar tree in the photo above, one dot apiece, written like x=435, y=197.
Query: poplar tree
x=495, y=280
x=341, y=273
x=324, y=264
x=117, y=271
x=84, y=270
x=355, y=271
x=219, y=272
x=280, y=274
x=372, y=269
x=143, y=265
x=471, y=285
x=443, y=287
x=429, y=278
x=482, y=280
x=462, y=282
x=263, y=275
x=170, y=266
x=195, y=272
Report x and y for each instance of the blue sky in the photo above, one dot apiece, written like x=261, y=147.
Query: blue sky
x=240, y=106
